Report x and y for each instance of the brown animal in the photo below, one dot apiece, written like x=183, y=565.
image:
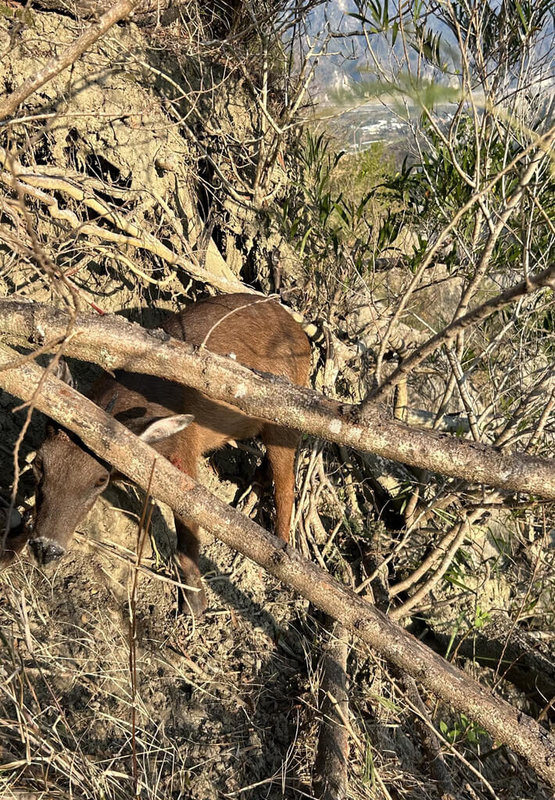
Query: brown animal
x=181, y=423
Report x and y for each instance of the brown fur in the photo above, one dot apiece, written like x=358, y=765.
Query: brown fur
x=259, y=334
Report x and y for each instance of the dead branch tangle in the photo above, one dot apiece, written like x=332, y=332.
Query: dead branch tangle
x=117, y=445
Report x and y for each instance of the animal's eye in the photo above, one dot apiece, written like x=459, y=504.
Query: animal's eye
x=102, y=482
x=37, y=465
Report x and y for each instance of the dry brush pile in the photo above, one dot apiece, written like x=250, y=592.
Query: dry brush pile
x=165, y=163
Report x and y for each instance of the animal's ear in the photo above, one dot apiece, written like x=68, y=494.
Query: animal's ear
x=165, y=427
x=62, y=371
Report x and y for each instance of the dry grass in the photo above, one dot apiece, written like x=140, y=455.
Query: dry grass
x=225, y=708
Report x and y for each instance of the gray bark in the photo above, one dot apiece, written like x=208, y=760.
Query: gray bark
x=115, y=343
x=117, y=445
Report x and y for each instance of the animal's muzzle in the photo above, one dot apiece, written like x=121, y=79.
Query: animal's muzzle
x=46, y=550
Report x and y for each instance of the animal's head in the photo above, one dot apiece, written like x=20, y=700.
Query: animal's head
x=70, y=477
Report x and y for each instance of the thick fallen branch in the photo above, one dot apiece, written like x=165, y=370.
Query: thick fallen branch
x=114, y=343
x=117, y=445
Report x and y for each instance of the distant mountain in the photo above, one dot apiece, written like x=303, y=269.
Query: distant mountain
x=347, y=60
x=346, y=71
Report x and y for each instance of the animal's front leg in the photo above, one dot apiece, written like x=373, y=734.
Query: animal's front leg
x=193, y=599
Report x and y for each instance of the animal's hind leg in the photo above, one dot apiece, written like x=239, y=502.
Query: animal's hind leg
x=281, y=446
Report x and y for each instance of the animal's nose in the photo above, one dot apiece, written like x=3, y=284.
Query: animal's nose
x=45, y=550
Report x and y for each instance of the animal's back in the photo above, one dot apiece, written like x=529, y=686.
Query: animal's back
x=257, y=332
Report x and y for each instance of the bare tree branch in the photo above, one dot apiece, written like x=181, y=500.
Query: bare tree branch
x=116, y=444
x=114, y=343
x=329, y=779
x=93, y=8
x=543, y=144
x=118, y=12
x=545, y=279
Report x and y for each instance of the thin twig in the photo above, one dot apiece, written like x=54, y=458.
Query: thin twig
x=70, y=55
